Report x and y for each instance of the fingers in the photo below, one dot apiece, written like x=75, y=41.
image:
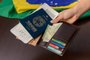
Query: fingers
x=63, y=16
x=70, y=20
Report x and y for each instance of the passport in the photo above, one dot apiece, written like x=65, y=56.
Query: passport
x=36, y=23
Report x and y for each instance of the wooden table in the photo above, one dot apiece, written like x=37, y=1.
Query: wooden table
x=13, y=49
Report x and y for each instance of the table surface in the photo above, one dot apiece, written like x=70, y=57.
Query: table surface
x=13, y=49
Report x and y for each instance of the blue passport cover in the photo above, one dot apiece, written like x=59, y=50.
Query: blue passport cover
x=36, y=23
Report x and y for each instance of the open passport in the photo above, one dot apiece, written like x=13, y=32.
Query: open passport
x=36, y=29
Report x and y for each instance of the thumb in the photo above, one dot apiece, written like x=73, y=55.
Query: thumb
x=58, y=18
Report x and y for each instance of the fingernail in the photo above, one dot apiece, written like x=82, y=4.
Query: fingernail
x=51, y=21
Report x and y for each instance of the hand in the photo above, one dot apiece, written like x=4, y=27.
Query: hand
x=67, y=15
x=72, y=14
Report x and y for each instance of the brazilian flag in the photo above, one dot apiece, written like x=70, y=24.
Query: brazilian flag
x=24, y=5
x=22, y=8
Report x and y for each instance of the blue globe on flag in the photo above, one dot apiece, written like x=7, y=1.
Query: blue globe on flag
x=52, y=2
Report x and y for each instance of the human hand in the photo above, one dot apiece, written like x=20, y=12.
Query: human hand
x=67, y=15
x=72, y=14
